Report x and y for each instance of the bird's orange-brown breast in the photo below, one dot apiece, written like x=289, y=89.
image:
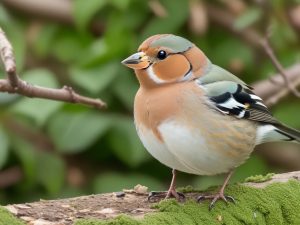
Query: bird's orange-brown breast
x=153, y=106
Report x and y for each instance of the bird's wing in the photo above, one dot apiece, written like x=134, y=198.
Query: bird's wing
x=232, y=96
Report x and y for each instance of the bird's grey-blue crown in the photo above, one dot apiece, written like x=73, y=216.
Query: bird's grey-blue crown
x=173, y=42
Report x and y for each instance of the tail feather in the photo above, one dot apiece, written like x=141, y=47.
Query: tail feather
x=292, y=134
x=276, y=132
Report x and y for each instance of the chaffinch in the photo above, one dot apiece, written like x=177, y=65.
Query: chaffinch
x=194, y=116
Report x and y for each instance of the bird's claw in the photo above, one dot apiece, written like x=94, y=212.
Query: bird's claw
x=153, y=195
x=215, y=198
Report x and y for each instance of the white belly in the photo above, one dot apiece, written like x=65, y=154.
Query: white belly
x=186, y=150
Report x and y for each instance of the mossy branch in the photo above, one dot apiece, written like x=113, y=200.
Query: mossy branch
x=274, y=199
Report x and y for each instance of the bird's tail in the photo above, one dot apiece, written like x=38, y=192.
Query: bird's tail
x=276, y=132
x=290, y=133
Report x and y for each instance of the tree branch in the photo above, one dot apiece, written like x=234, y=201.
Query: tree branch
x=270, y=52
x=270, y=92
x=134, y=203
x=225, y=19
x=13, y=84
x=8, y=59
x=56, y=10
x=273, y=93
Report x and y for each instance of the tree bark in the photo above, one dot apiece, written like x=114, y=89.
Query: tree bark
x=133, y=203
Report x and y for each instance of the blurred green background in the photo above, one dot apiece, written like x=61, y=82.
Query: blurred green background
x=52, y=149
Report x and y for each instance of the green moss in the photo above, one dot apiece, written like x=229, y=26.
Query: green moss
x=188, y=189
x=260, y=178
x=7, y=218
x=276, y=204
x=120, y=220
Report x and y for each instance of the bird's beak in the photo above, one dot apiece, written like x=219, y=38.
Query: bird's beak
x=138, y=60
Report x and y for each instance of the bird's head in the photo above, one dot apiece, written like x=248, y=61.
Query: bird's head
x=166, y=58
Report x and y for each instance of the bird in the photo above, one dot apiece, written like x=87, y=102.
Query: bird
x=196, y=117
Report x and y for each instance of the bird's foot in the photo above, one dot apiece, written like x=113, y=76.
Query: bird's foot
x=172, y=193
x=215, y=198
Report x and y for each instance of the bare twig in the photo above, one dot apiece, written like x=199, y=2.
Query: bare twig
x=294, y=16
x=13, y=84
x=269, y=51
x=226, y=20
x=56, y=10
x=281, y=93
x=7, y=56
x=271, y=92
x=157, y=8
x=198, y=21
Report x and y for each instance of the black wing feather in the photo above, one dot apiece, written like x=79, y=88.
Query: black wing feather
x=248, y=105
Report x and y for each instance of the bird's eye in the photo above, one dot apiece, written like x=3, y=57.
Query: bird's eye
x=161, y=55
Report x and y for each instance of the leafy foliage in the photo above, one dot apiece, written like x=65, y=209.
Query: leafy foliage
x=47, y=139
x=38, y=110
x=81, y=129
x=4, y=147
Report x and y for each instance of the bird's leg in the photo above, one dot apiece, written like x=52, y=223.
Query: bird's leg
x=219, y=195
x=168, y=194
x=172, y=189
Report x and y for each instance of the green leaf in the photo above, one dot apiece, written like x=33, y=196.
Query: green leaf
x=95, y=79
x=120, y=4
x=177, y=15
x=117, y=27
x=38, y=109
x=288, y=113
x=126, y=87
x=45, y=39
x=4, y=147
x=132, y=18
x=125, y=143
x=4, y=16
x=15, y=33
x=285, y=36
x=84, y=11
x=51, y=172
x=111, y=181
x=6, y=98
x=75, y=132
x=222, y=53
x=69, y=45
x=26, y=153
x=96, y=53
x=39, y=167
x=248, y=18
